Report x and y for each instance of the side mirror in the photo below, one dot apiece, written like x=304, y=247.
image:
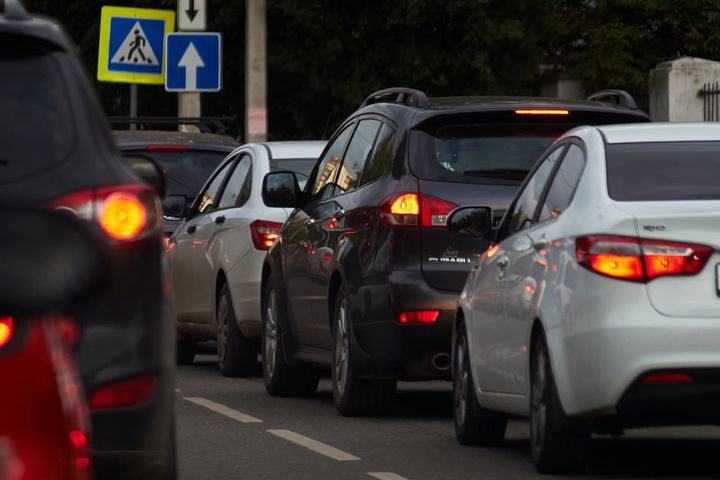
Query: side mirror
x=41, y=271
x=176, y=206
x=280, y=189
x=148, y=171
x=470, y=221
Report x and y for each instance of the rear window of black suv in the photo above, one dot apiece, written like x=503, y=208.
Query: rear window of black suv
x=35, y=101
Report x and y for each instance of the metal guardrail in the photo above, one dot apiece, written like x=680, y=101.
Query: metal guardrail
x=711, y=101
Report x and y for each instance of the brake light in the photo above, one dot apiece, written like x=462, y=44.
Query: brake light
x=542, y=111
x=639, y=259
x=655, y=378
x=264, y=233
x=124, y=393
x=413, y=209
x=7, y=328
x=126, y=213
x=422, y=316
x=166, y=148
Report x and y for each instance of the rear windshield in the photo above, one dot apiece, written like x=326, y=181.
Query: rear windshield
x=300, y=166
x=663, y=171
x=37, y=129
x=480, y=153
x=185, y=172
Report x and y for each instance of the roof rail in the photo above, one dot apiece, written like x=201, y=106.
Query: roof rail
x=618, y=97
x=204, y=124
x=401, y=95
x=13, y=10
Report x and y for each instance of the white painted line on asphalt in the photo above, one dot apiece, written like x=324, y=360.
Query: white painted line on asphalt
x=223, y=410
x=314, y=445
x=386, y=476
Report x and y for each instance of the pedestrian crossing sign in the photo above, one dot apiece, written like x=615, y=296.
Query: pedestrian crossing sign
x=131, y=44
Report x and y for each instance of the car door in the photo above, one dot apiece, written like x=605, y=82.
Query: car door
x=191, y=247
x=495, y=335
x=300, y=240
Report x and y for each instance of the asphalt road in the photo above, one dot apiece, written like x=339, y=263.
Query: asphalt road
x=231, y=429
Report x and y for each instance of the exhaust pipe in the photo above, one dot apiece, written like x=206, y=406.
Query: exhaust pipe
x=441, y=362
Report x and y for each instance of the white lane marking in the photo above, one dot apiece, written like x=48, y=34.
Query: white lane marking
x=386, y=476
x=223, y=410
x=314, y=445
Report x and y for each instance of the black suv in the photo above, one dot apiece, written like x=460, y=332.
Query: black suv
x=57, y=152
x=365, y=277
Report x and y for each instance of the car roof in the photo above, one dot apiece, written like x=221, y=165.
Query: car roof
x=661, y=132
x=453, y=103
x=134, y=139
x=15, y=20
x=296, y=148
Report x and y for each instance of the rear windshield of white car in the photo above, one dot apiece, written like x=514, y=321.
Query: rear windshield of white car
x=300, y=166
x=663, y=171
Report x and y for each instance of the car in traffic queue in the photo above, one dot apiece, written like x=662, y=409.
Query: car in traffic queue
x=58, y=153
x=215, y=256
x=364, y=276
x=186, y=158
x=596, y=308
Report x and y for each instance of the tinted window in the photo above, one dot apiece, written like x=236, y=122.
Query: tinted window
x=300, y=166
x=323, y=186
x=237, y=190
x=380, y=163
x=37, y=118
x=357, y=154
x=185, y=172
x=663, y=171
x=208, y=199
x=527, y=202
x=564, y=184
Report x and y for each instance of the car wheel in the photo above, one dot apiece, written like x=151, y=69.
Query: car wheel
x=237, y=355
x=185, y=351
x=556, y=447
x=474, y=425
x=281, y=379
x=354, y=396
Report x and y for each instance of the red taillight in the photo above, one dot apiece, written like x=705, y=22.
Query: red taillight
x=125, y=213
x=421, y=316
x=7, y=327
x=542, y=111
x=655, y=378
x=124, y=393
x=166, y=148
x=639, y=259
x=264, y=233
x=412, y=210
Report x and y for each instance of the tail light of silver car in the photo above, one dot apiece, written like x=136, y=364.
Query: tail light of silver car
x=639, y=259
x=264, y=233
x=7, y=330
x=416, y=210
x=126, y=213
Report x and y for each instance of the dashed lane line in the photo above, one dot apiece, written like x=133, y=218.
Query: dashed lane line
x=223, y=410
x=386, y=476
x=314, y=445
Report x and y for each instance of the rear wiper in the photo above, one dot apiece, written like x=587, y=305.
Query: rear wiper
x=509, y=173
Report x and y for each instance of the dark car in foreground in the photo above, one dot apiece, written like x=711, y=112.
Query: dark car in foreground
x=58, y=153
x=364, y=277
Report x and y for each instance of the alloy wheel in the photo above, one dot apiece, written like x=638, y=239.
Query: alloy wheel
x=270, y=334
x=342, y=348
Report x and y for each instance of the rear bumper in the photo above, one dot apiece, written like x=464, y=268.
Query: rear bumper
x=405, y=349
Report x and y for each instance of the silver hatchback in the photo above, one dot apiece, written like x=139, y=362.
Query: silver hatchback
x=597, y=308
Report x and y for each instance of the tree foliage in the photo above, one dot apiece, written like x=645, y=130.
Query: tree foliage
x=325, y=57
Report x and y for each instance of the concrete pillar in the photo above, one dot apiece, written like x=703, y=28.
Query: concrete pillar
x=189, y=106
x=675, y=89
x=255, y=73
x=563, y=88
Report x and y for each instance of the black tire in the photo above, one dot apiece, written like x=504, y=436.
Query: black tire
x=354, y=396
x=474, y=425
x=237, y=355
x=185, y=351
x=557, y=447
x=281, y=379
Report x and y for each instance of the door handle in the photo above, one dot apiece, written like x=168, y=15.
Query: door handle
x=339, y=214
x=309, y=222
x=502, y=262
x=220, y=220
x=191, y=229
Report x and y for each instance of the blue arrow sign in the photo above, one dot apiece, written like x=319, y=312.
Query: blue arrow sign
x=193, y=62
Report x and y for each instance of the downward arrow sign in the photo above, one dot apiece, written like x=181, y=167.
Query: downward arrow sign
x=191, y=61
x=191, y=12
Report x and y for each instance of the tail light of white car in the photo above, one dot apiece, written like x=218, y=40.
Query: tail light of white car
x=264, y=233
x=416, y=210
x=639, y=259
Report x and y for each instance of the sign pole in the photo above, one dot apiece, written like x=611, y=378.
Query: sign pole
x=133, y=104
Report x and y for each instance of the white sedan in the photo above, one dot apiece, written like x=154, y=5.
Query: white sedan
x=597, y=308
x=215, y=256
